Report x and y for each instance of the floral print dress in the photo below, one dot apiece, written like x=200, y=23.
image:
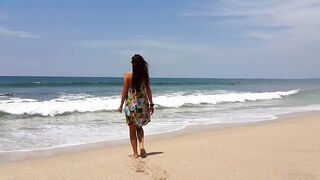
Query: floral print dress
x=137, y=107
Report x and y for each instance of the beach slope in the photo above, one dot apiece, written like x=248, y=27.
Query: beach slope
x=280, y=149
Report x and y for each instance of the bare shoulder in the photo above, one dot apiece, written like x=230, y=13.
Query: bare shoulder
x=128, y=75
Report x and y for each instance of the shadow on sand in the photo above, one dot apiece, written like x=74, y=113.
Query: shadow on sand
x=153, y=153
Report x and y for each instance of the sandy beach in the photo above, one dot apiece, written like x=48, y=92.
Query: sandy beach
x=286, y=148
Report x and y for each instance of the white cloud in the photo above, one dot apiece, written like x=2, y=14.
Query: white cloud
x=296, y=16
x=18, y=34
x=144, y=44
x=262, y=35
x=167, y=57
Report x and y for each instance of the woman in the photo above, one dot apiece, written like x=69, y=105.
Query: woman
x=139, y=105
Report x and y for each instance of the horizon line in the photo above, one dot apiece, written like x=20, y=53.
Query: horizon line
x=262, y=78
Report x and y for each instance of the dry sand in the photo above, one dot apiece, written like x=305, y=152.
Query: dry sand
x=282, y=149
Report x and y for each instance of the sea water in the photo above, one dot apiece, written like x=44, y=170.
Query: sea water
x=49, y=112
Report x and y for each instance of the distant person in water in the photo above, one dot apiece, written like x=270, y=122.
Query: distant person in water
x=137, y=97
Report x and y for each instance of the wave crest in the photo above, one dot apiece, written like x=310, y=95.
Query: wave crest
x=196, y=99
x=68, y=103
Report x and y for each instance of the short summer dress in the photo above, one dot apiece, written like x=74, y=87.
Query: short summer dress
x=137, y=107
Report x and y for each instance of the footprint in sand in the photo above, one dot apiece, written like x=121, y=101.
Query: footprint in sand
x=155, y=172
x=158, y=173
x=139, y=167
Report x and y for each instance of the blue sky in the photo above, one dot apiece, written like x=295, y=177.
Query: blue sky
x=227, y=38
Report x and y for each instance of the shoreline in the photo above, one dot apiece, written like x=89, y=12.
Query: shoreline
x=23, y=155
x=285, y=148
x=16, y=156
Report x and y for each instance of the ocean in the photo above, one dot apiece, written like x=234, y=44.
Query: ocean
x=50, y=112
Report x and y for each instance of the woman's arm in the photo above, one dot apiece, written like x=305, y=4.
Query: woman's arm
x=149, y=94
x=124, y=91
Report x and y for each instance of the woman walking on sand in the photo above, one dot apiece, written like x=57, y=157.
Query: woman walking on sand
x=138, y=102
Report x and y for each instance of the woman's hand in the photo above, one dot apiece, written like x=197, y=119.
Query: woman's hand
x=151, y=110
x=120, y=109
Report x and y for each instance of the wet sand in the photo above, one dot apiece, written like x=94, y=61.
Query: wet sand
x=286, y=148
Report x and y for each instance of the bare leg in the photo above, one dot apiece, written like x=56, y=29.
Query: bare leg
x=140, y=134
x=133, y=139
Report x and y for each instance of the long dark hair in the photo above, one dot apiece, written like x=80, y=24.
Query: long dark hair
x=140, y=72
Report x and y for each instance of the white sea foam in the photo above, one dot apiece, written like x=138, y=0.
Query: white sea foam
x=58, y=106
x=40, y=135
x=179, y=100
x=67, y=103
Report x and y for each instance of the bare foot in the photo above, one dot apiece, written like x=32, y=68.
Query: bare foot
x=143, y=153
x=134, y=156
